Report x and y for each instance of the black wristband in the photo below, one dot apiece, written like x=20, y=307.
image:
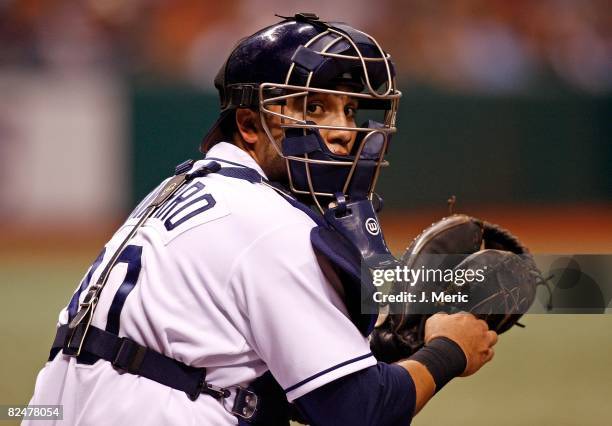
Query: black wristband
x=443, y=358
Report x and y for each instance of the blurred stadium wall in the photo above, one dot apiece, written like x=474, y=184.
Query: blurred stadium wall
x=504, y=102
x=486, y=150
x=87, y=149
x=64, y=149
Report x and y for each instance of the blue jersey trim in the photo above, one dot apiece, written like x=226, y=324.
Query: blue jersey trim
x=321, y=373
x=226, y=161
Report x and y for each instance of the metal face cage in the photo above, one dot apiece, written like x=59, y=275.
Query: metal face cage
x=384, y=97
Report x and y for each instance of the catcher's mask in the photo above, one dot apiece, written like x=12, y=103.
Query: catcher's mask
x=300, y=57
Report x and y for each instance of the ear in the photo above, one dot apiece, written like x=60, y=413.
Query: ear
x=246, y=122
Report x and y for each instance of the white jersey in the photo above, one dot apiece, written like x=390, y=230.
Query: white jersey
x=224, y=277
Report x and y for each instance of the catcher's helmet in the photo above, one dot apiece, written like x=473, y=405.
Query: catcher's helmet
x=292, y=59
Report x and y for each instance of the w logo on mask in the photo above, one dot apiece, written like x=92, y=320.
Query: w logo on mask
x=371, y=226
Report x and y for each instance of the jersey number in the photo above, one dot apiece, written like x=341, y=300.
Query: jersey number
x=186, y=204
x=130, y=255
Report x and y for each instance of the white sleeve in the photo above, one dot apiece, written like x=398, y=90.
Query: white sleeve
x=298, y=325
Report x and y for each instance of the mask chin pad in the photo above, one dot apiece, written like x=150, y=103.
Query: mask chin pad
x=373, y=145
x=328, y=178
x=297, y=144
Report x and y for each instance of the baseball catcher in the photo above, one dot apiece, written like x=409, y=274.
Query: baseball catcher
x=235, y=287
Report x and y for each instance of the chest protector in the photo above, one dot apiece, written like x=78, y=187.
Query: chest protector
x=349, y=237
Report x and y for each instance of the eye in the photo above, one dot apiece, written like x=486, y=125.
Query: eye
x=350, y=111
x=314, y=108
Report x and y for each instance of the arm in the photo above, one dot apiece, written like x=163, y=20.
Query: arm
x=424, y=384
x=455, y=345
x=379, y=395
x=384, y=394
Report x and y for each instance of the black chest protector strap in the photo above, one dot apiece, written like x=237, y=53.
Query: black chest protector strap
x=127, y=355
x=79, y=326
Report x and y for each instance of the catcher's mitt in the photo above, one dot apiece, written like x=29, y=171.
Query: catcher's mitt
x=460, y=242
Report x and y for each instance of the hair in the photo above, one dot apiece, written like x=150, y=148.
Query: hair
x=228, y=126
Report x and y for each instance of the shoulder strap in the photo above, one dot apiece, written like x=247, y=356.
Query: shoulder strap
x=78, y=327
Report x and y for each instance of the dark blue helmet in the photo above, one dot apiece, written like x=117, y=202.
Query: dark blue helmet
x=303, y=55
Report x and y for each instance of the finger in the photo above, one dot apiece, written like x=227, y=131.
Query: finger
x=467, y=315
x=489, y=355
x=483, y=324
x=492, y=337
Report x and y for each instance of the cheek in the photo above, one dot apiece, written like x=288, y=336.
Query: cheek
x=277, y=133
x=273, y=124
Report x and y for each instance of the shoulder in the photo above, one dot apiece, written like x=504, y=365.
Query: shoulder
x=224, y=207
x=257, y=209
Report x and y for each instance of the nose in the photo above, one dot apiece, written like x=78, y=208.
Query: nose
x=339, y=141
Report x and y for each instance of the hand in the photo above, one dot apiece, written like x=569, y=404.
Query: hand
x=470, y=333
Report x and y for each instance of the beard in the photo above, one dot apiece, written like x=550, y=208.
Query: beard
x=272, y=163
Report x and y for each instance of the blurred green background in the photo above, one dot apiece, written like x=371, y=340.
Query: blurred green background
x=548, y=146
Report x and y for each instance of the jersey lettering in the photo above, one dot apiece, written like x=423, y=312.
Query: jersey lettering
x=189, y=202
